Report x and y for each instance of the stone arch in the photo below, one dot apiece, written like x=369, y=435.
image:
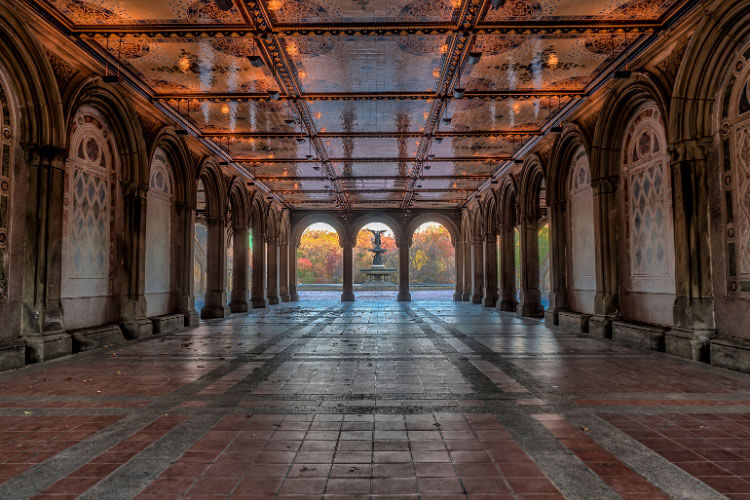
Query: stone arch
x=300, y=225
x=181, y=162
x=573, y=273
x=508, y=220
x=446, y=221
x=531, y=183
x=361, y=221
x=531, y=186
x=709, y=295
x=606, y=157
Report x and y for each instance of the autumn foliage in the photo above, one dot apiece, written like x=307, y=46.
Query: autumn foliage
x=431, y=256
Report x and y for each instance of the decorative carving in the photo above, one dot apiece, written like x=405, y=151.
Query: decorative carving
x=150, y=126
x=63, y=71
x=671, y=64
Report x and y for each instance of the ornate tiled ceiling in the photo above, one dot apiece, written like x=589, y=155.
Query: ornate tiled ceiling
x=365, y=103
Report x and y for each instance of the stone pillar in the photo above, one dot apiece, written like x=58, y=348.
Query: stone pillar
x=41, y=324
x=259, y=270
x=558, y=297
x=293, y=295
x=531, y=296
x=459, y=258
x=693, y=310
x=347, y=294
x=605, y=237
x=466, y=297
x=216, y=270
x=240, y=266
x=403, y=272
x=507, y=270
x=273, y=272
x=477, y=260
x=490, y=270
x=284, y=271
x=185, y=261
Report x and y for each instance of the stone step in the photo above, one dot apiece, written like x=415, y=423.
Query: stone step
x=168, y=323
x=91, y=338
x=569, y=321
x=638, y=335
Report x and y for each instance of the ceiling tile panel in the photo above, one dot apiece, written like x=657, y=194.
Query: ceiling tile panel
x=370, y=116
x=239, y=117
x=367, y=63
x=473, y=146
x=508, y=115
x=370, y=168
x=146, y=12
x=577, y=9
x=175, y=65
x=540, y=62
x=371, y=147
x=359, y=11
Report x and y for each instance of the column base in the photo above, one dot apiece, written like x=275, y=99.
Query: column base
x=212, y=312
x=507, y=305
x=550, y=318
x=294, y=297
x=476, y=299
x=191, y=319
x=347, y=297
x=688, y=343
x=465, y=297
x=272, y=301
x=239, y=306
x=403, y=297
x=259, y=303
x=532, y=310
x=489, y=301
x=12, y=355
x=43, y=347
x=285, y=297
x=457, y=296
x=137, y=328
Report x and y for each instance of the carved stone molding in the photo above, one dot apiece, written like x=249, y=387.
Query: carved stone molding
x=63, y=71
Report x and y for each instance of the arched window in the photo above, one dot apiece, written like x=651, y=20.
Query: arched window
x=6, y=160
x=647, y=205
x=735, y=139
x=89, y=206
x=159, y=218
x=581, y=260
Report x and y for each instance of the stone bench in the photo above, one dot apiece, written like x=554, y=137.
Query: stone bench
x=12, y=355
x=168, y=323
x=732, y=353
x=638, y=335
x=569, y=321
x=91, y=338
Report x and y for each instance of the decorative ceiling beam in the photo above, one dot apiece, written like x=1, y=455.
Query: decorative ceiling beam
x=367, y=96
x=374, y=135
x=450, y=159
x=460, y=177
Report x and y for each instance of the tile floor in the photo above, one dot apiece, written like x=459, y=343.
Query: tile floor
x=375, y=399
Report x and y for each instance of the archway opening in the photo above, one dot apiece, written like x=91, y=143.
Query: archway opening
x=432, y=263
x=320, y=266
x=544, y=263
x=200, y=254
x=230, y=264
x=373, y=280
x=517, y=262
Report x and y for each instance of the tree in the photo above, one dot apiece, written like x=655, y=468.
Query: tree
x=319, y=257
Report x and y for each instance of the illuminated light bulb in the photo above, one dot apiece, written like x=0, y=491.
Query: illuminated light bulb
x=292, y=49
x=516, y=108
x=436, y=72
x=225, y=109
x=318, y=115
x=274, y=4
x=443, y=49
x=184, y=64
x=302, y=74
x=456, y=3
x=552, y=60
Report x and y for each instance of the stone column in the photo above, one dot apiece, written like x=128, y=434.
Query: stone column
x=240, y=266
x=403, y=272
x=293, y=295
x=531, y=296
x=693, y=310
x=507, y=270
x=605, y=246
x=466, y=297
x=284, y=271
x=273, y=272
x=185, y=262
x=347, y=294
x=259, y=270
x=41, y=325
x=459, y=259
x=490, y=271
x=558, y=297
x=477, y=261
x=216, y=270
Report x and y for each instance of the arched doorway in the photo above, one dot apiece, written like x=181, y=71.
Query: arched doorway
x=380, y=285
x=319, y=263
x=160, y=218
x=200, y=255
x=432, y=263
x=544, y=262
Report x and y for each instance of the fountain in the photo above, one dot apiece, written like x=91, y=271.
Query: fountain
x=377, y=272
